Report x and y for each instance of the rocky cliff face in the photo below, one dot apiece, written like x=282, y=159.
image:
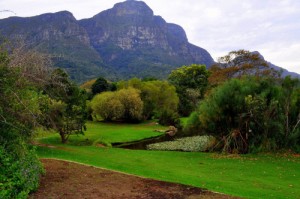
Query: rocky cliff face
x=122, y=42
x=136, y=43
x=60, y=36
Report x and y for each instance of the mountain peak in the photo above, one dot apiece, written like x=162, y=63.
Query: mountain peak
x=132, y=7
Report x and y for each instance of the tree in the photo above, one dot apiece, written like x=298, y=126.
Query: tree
x=191, y=83
x=250, y=115
x=107, y=106
x=67, y=106
x=133, y=104
x=291, y=105
x=124, y=104
x=100, y=86
x=20, y=168
x=157, y=96
x=238, y=64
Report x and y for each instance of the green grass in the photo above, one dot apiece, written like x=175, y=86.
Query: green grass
x=108, y=133
x=250, y=176
x=183, y=121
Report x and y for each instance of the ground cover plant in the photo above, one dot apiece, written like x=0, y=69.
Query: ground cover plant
x=250, y=176
x=194, y=143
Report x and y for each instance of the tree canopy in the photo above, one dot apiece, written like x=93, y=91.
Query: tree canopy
x=191, y=83
x=237, y=64
x=248, y=115
x=124, y=104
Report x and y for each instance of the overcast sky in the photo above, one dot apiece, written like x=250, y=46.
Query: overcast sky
x=271, y=27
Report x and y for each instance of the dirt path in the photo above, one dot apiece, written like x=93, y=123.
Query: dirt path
x=69, y=180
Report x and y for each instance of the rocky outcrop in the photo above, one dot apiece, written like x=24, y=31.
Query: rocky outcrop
x=125, y=41
x=137, y=43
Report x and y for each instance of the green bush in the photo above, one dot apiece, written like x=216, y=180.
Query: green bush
x=18, y=175
x=194, y=144
x=250, y=114
x=169, y=117
x=124, y=104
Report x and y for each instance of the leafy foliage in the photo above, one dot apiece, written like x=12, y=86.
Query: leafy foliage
x=169, y=117
x=190, y=82
x=67, y=109
x=249, y=115
x=238, y=64
x=108, y=106
x=19, y=175
x=19, y=166
x=100, y=86
x=158, y=96
x=124, y=104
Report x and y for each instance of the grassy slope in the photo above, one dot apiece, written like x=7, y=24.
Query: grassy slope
x=250, y=176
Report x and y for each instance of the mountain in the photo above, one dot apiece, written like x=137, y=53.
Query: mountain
x=283, y=71
x=61, y=36
x=125, y=41
x=135, y=42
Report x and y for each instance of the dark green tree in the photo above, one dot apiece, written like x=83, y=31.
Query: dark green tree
x=66, y=109
x=191, y=83
x=20, y=168
x=100, y=86
x=250, y=115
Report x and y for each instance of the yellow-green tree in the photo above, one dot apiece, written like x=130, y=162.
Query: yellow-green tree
x=157, y=96
x=107, y=106
x=124, y=104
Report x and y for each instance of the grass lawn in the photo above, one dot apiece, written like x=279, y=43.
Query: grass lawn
x=250, y=176
x=108, y=133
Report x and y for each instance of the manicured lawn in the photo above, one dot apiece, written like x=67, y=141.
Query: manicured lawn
x=108, y=133
x=250, y=176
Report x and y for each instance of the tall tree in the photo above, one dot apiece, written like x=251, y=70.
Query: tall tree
x=157, y=96
x=237, y=64
x=100, y=85
x=67, y=106
x=191, y=83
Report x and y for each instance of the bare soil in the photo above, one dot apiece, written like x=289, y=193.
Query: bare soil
x=70, y=180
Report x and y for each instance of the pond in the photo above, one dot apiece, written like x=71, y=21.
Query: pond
x=142, y=144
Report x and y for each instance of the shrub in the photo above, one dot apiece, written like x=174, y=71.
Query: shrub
x=108, y=106
x=250, y=115
x=169, y=117
x=19, y=175
x=193, y=144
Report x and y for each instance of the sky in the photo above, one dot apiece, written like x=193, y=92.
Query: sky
x=271, y=27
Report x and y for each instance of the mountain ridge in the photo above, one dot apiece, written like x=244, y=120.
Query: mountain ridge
x=125, y=41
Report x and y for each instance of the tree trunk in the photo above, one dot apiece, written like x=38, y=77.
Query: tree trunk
x=63, y=137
